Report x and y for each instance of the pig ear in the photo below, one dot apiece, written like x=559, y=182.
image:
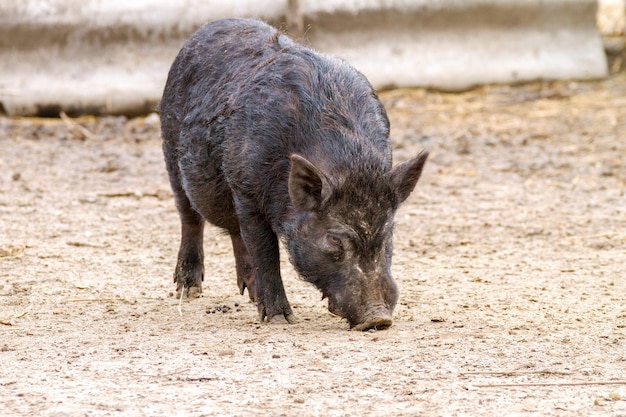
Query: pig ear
x=404, y=176
x=308, y=186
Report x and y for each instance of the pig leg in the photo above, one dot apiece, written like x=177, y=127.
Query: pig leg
x=246, y=272
x=189, y=272
x=262, y=244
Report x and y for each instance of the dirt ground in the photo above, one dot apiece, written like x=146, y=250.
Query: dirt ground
x=510, y=257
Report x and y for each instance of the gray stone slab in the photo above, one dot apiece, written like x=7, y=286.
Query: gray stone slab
x=112, y=57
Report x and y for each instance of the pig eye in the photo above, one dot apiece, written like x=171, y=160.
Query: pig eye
x=335, y=241
x=336, y=248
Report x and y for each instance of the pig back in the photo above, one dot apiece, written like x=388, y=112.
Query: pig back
x=252, y=97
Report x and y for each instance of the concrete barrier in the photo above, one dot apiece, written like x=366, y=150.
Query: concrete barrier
x=112, y=57
x=100, y=57
x=457, y=44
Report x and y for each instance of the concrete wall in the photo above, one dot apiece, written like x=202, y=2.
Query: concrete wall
x=112, y=56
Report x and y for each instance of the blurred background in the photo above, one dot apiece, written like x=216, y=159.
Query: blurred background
x=112, y=57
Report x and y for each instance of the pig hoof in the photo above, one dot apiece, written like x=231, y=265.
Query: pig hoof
x=194, y=292
x=277, y=308
x=251, y=291
x=280, y=319
x=375, y=323
x=191, y=292
x=277, y=318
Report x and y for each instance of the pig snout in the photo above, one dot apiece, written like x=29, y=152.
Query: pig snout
x=366, y=306
x=377, y=318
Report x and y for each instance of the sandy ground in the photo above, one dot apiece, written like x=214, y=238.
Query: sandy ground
x=510, y=257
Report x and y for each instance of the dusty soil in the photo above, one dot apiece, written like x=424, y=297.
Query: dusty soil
x=510, y=257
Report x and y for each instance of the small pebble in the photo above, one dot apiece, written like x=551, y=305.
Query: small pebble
x=226, y=352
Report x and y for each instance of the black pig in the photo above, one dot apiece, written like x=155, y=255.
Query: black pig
x=267, y=139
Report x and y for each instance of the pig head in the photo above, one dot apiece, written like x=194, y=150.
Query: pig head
x=342, y=233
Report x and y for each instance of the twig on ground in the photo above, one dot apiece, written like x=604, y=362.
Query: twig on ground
x=166, y=375
x=550, y=384
x=23, y=314
x=135, y=194
x=539, y=372
x=14, y=251
x=180, y=301
x=78, y=130
x=87, y=245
